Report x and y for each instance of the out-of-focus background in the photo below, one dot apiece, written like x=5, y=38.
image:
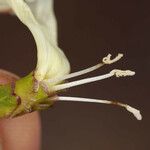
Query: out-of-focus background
x=88, y=31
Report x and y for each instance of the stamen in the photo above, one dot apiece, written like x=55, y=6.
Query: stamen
x=105, y=61
x=122, y=73
x=75, y=74
x=116, y=72
x=132, y=110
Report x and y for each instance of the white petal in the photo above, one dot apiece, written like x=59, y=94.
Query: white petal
x=39, y=17
x=44, y=14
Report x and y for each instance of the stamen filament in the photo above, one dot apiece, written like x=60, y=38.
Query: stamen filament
x=105, y=61
x=116, y=72
x=75, y=74
x=80, y=82
x=132, y=110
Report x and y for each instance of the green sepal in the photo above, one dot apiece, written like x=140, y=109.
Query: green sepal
x=25, y=89
x=30, y=100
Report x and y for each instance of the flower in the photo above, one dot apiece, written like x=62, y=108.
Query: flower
x=39, y=89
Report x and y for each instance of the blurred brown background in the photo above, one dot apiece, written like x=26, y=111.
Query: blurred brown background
x=88, y=31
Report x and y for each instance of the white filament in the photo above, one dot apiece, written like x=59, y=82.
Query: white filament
x=80, y=82
x=105, y=61
x=116, y=72
x=132, y=110
x=75, y=74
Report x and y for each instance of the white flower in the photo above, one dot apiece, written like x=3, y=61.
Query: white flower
x=52, y=65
